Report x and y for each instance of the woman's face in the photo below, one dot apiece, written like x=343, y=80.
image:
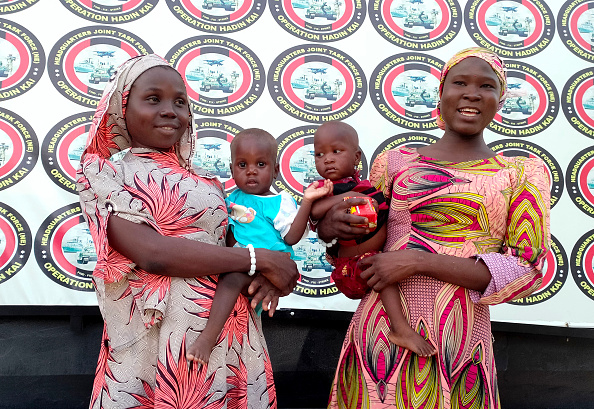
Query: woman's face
x=157, y=113
x=470, y=97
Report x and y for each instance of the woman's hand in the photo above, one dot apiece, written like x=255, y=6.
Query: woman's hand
x=278, y=268
x=262, y=290
x=338, y=220
x=384, y=269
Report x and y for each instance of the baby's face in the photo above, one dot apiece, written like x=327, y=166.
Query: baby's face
x=337, y=156
x=253, y=165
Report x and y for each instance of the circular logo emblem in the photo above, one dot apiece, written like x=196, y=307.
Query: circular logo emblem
x=62, y=148
x=576, y=27
x=19, y=148
x=223, y=76
x=317, y=20
x=217, y=16
x=317, y=83
x=404, y=89
x=15, y=242
x=554, y=274
x=511, y=28
x=16, y=5
x=532, y=102
x=582, y=264
x=297, y=161
x=521, y=147
x=213, y=150
x=408, y=139
x=83, y=61
x=578, y=103
x=580, y=180
x=314, y=280
x=64, y=249
x=110, y=11
x=22, y=60
x=419, y=25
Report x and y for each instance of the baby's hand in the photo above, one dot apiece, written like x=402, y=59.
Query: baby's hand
x=318, y=190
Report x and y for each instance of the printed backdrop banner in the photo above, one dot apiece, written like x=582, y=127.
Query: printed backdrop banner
x=287, y=66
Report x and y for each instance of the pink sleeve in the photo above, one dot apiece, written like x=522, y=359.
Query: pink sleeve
x=516, y=271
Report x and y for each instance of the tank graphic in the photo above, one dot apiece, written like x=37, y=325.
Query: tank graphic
x=212, y=162
x=316, y=260
x=419, y=96
x=86, y=255
x=217, y=79
x=320, y=8
x=227, y=5
x=518, y=104
x=101, y=74
x=418, y=17
x=322, y=89
x=513, y=26
x=311, y=175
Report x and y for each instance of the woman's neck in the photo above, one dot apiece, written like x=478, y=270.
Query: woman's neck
x=455, y=148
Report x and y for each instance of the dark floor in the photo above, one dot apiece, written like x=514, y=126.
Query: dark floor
x=47, y=362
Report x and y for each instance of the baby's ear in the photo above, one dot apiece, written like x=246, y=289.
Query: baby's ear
x=276, y=169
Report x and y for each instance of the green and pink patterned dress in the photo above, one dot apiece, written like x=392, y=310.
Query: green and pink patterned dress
x=494, y=209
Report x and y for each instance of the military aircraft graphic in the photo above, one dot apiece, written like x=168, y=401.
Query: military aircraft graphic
x=213, y=146
x=514, y=86
x=417, y=78
x=510, y=9
x=416, y=1
x=104, y=53
x=318, y=70
x=214, y=63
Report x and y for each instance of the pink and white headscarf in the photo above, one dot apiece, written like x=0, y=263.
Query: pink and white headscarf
x=490, y=57
x=108, y=133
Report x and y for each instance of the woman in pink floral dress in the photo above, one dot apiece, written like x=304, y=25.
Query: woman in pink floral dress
x=158, y=225
x=466, y=229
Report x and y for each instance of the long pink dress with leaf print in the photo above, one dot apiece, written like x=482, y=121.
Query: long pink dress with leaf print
x=149, y=319
x=495, y=209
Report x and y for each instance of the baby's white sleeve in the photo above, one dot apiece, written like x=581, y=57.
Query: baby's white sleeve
x=286, y=214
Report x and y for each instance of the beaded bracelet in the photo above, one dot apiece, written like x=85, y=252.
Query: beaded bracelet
x=252, y=260
x=330, y=244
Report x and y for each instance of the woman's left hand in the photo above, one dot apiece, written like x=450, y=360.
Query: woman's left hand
x=384, y=269
x=262, y=290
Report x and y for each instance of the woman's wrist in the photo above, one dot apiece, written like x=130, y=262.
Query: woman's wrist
x=252, y=254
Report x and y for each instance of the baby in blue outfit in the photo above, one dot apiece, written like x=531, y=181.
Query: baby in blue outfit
x=258, y=218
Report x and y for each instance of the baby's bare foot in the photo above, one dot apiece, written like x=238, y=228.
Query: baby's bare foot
x=200, y=350
x=409, y=339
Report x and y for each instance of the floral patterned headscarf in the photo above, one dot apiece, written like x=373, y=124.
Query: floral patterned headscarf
x=109, y=134
x=490, y=57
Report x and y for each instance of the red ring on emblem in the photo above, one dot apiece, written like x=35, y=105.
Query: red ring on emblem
x=24, y=57
x=482, y=22
x=10, y=246
x=17, y=146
